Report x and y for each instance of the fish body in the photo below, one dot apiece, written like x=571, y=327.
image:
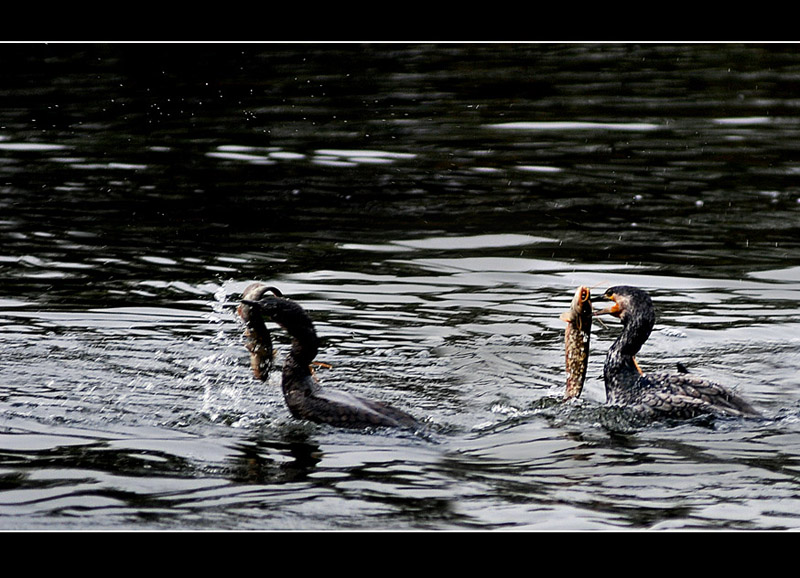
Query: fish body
x=576, y=339
x=258, y=340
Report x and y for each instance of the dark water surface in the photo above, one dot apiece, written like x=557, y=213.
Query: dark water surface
x=434, y=208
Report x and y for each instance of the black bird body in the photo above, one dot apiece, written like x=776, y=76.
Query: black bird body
x=656, y=395
x=304, y=396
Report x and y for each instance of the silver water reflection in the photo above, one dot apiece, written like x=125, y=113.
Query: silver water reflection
x=433, y=208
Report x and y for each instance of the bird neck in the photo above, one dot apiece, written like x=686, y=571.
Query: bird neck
x=635, y=331
x=297, y=376
x=620, y=371
x=305, y=343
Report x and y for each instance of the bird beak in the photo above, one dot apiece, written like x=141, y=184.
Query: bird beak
x=613, y=309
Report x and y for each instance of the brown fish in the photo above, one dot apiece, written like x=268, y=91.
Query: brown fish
x=579, y=330
x=258, y=339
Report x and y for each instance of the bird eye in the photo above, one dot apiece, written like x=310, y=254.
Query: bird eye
x=608, y=294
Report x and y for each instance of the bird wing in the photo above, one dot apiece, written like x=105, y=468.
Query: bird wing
x=689, y=393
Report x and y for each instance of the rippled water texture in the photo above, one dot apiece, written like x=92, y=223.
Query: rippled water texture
x=433, y=207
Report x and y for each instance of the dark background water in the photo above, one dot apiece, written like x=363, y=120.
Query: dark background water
x=433, y=206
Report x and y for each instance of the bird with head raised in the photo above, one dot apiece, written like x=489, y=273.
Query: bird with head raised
x=656, y=395
x=304, y=396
